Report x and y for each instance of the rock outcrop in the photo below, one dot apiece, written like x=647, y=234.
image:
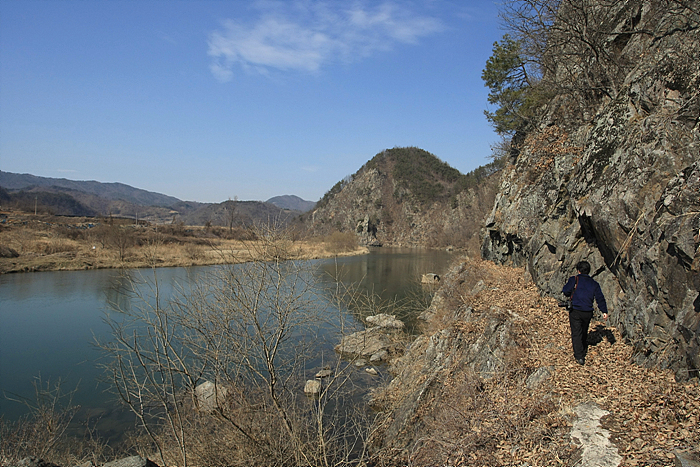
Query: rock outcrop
x=408, y=197
x=492, y=381
x=384, y=339
x=620, y=190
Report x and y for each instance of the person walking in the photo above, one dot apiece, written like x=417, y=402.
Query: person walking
x=582, y=289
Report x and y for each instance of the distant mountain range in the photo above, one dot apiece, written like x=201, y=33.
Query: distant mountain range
x=401, y=197
x=113, y=191
x=61, y=196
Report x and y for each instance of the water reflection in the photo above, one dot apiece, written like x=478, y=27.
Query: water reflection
x=50, y=320
x=391, y=274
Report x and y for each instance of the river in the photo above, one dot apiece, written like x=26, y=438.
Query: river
x=49, y=321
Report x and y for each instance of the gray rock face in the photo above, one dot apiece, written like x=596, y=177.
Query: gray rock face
x=622, y=192
x=374, y=344
x=34, y=462
x=684, y=459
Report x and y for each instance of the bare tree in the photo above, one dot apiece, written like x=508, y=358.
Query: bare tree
x=231, y=206
x=578, y=47
x=248, y=329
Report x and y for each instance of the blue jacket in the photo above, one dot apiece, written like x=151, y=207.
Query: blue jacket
x=586, y=290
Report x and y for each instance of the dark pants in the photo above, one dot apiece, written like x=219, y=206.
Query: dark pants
x=579, y=322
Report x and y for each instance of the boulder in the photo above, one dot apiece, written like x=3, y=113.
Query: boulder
x=312, y=387
x=368, y=343
x=385, y=321
x=210, y=395
x=380, y=356
x=430, y=278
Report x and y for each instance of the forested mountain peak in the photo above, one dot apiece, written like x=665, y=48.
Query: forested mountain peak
x=408, y=196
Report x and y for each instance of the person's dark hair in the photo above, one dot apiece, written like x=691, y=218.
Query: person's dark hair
x=583, y=267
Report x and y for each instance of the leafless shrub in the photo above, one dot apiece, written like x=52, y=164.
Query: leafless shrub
x=55, y=245
x=44, y=431
x=246, y=329
x=193, y=252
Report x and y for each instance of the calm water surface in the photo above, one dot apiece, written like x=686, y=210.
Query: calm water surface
x=49, y=321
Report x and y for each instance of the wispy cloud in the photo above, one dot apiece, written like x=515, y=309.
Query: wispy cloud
x=305, y=36
x=165, y=37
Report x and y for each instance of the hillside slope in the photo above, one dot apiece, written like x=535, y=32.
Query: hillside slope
x=64, y=197
x=618, y=183
x=407, y=197
x=492, y=381
x=234, y=214
x=291, y=202
x=112, y=191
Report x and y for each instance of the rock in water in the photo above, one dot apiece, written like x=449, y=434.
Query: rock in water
x=312, y=387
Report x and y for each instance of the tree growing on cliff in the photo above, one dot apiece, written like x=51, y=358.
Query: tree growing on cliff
x=509, y=82
x=577, y=48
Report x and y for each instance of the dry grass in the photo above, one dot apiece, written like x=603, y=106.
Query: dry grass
x=47, y=243
x=49, y=432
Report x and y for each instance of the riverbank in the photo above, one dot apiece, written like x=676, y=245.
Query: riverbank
x=30, y=243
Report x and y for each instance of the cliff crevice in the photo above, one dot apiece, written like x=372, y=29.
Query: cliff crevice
x=620, y=190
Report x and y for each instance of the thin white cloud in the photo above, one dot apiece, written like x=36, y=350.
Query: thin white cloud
x=305, y=36
x=165, y=37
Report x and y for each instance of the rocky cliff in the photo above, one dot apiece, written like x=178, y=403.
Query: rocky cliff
x=619, y=186
x=492, y=381
x=408, y=197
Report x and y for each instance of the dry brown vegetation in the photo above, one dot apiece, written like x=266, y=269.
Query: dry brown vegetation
x=49, y=430
x=465, y=418
x=50, y=243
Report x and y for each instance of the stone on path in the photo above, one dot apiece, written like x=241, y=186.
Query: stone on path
x=598, y=451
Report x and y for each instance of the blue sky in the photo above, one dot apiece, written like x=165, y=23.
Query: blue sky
x=207, y=100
